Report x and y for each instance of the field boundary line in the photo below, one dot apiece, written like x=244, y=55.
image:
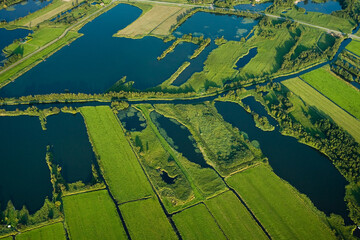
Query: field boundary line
x=84, y=191
x=165, y=20
x=216, y=221
x=135, y=200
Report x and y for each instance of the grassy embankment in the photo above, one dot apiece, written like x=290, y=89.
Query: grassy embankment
x=354, y=47
x=316, y=18
x=123, y=173
x=53, y=9
x=204, y=182
x=338, y=91
x=283, y=212
x=92, y=215
x=314, y=98
x=155, y=21
x=233, y=151
x=54, y=231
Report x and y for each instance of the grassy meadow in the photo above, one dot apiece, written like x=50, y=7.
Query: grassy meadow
x=320, y=19
x=54, y=232
x=354, y=47
x=314, y=98
x=197, y=223
x=145, y=219
x=232, y=151
x=119, y=164
x=283, y=212
x=234, y=218
x=92, y=215
x=337, y=90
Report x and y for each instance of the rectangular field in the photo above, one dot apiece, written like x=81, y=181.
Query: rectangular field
x=54, y=231
x=158, y=20
x=119, y=164
x=279, y=208
x=314, y=98
x=197, y=223
x=354, y=47
x=336, y=89
x=234, y=218
x=145, y=219
x=92, y=215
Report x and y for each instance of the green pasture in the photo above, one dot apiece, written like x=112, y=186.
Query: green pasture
x=54, y=232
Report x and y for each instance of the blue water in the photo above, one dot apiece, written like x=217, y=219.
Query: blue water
x=311, y=172
x=22, y=9
x=24, y=174
x=327, y=7
x=8, y=36
x=256, y=7
x=105, y=59
x=246, y=59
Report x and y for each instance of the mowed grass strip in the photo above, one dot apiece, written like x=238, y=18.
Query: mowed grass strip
x=92, y=215
x=55, y=232
x=337, y=90
x=121, y=169
x=354, y=47
x=279, y=208
x=197, y=223
x=145, y=219
x=314, y=98
x=234, y=218
x=152, y=19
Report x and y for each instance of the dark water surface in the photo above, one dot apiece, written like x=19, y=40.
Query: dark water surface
x=21, y=9
x=132, y=119
x=24, y=174
x=305, y=168
x=246, y=59
x=254, y=7
x=8, y=36
x=180, y=137
x=105, y=59
x=326, y=7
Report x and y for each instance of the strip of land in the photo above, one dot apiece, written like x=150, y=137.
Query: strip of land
x=92, y=215
x=316, y=99
x=279, y=207
x=54, y=231
x=119, y=165
x=157, y=21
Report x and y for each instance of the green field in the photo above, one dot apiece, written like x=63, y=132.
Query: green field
x=145, y=219
x=228, y=151
x=92, y=215
x=314, y=98
x=354, y=47
x=197, y=223
x=320, y=19
x=122, y=171
x=234, y=218
x=54, y=232
x=337, y=90
x=280, y=209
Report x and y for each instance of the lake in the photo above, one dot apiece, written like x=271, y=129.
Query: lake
x=326, y=7
x=22, y=9
x=253, y=7
x=106, y=59
x=24, y=174
x=309, y=171
x=8, y=36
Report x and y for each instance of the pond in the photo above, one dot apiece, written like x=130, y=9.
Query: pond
x=178, y=137
x=254, y=7
x=21, y=9
x=132, y=119
x=305, y=168
x=24, y=174
x=8, y=36
x=246, y=58
x=106, y=59
x=326, y=7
